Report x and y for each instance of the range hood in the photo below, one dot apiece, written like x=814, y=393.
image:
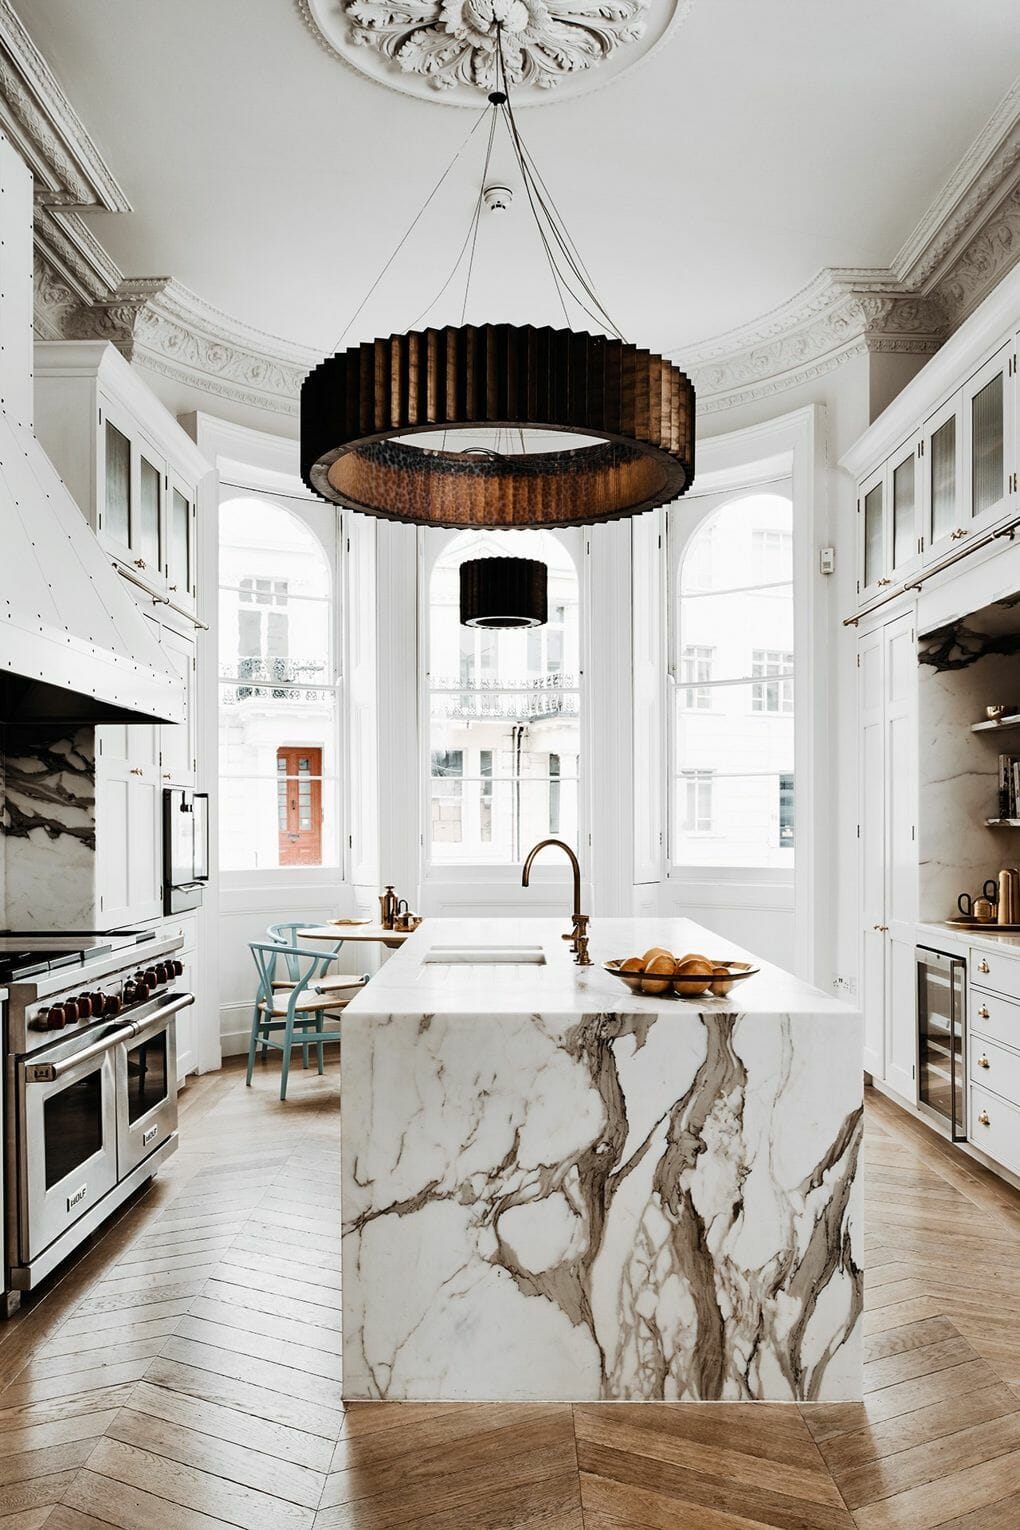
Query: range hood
x=74, y=646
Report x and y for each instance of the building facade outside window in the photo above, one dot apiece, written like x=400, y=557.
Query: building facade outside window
x=278, y=705
x=504, y=712
x=696, y=671
x=732, y=745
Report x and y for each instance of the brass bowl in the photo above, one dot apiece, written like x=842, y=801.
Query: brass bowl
x=682, y=987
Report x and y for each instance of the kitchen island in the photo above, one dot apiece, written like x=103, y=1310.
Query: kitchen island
x=556, y=1189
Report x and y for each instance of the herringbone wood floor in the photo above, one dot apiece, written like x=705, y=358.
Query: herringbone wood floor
x=184, y=1375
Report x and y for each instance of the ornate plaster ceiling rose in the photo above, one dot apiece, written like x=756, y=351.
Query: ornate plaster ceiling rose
x=446, y=49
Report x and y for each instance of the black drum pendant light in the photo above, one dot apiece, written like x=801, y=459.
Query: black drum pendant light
x=431, y=426
x=504, y=592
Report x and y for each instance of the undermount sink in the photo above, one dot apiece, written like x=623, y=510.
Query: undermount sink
x=485, y=956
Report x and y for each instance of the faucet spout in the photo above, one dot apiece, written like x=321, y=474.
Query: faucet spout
x=579, y=935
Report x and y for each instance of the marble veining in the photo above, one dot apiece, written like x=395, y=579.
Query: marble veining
x=601, y=1205
x=48, y=828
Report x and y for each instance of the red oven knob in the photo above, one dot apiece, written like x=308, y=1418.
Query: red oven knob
x=70, y=1008
x=178, y=967
x=84, y=1003
x=56, y=1019
x=150, y=976
x=111, y=1005
x=161, y=974
x=98, y=1001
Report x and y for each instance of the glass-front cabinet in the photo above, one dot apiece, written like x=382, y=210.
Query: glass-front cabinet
x=133, y=485
x=945, y=523
x=179, y=543
x=988, y=440
x=889, y=522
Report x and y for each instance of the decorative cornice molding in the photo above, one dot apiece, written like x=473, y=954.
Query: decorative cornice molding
x=963, y=245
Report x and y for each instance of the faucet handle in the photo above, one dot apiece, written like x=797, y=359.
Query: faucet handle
x=581, y=956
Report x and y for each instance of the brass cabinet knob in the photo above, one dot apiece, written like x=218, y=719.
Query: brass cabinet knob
x=983, y=1062
x=961, y=531
x=136, y=770
x=983, y=1118
x=983, y=1012
x=140, y=563
x=983, y=966
x=885, y=581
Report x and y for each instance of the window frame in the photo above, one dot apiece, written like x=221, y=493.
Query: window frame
x=432, y=546
x=327, y=527
x=684, y=520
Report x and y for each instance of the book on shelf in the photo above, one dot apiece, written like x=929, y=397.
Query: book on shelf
x=1009, y=786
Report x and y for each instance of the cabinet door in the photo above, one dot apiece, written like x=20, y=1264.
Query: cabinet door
x=871, y=712
x=128, y=823
x=116, y=482
x=181, y=545
x=187, y=1023
x=906, y=528
x=900, y=770
x=177, y=740
x=946, y=518
x=872, y=536
x=147, y=529
x=988, y=442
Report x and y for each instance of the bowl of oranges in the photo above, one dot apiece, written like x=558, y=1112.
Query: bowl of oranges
x=660, y=972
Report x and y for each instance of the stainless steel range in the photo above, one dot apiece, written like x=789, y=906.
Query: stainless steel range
x=90, y=1086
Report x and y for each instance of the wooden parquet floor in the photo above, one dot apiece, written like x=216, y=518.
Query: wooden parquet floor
x=183, y=1375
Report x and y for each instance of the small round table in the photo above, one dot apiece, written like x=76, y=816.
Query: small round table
x=392, y=939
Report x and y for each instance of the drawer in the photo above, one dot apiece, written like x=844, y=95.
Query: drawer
x=989, y=1014
x=990, y=969
x=994, y=1127
x=992, y=1067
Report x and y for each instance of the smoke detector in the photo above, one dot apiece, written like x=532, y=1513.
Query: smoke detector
x=498, y=198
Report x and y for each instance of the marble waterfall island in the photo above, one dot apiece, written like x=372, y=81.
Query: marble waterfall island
x=556, y=1189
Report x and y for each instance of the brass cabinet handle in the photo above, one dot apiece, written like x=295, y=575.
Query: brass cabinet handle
x=983, y=966
x=140, y=563
x=983, y=1012
x=961, y=531
x=983, y=1118
x=136, y=770
x=885, y=581
x=983, y=1062
x=881, y=928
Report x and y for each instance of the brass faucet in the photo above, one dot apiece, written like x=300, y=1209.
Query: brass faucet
x=579, y=935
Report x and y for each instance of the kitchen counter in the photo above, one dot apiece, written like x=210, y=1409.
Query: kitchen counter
x=554, y=1188
x=986, y=939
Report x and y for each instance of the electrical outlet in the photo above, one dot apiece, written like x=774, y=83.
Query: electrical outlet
x=846, y=987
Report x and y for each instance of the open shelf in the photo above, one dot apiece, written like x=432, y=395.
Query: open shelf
x=1002, y=823
x=997, y=724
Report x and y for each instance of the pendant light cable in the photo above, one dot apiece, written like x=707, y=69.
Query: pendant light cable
x=408, y=232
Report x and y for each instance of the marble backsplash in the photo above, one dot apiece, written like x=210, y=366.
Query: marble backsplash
x=48, y=828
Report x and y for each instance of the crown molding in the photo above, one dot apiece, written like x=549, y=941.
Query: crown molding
x=966, y=241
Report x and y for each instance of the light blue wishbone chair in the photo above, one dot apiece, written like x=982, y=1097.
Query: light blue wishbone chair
x=293, y=1004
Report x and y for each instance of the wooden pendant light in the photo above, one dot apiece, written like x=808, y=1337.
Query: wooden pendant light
x=358, y=407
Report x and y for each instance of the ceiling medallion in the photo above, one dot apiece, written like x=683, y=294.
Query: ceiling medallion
x=446, y=49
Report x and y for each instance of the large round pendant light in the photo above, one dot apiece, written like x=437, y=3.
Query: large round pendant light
x=360, y=409
x=504, y=592
x=500, y=425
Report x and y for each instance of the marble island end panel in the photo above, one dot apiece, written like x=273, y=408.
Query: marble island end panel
x=605, y=1206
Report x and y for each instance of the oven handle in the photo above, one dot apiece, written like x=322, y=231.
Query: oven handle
x=45, y=1073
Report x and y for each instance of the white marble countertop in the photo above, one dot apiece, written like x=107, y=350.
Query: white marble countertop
x=988, y=939
x=408, y=985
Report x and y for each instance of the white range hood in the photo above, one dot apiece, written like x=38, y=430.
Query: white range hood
x=74, y=646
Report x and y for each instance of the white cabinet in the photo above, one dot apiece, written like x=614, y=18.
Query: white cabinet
x=887, y=711
x=128, y=796
x=890, y=534
x=186, y=927
x=178, y=765
x=132, y=469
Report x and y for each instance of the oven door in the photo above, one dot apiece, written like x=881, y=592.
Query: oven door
x=146, y=1064
x=67, y=1149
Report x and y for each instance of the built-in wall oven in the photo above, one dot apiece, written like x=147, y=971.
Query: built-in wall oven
x=90, y=1100
x=185, y=848
x=942, y=1039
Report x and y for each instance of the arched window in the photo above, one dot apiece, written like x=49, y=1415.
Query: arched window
x=279, y=800
x=733, y=673
x=504, y=712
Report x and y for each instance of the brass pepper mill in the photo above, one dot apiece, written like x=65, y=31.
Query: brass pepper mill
x=388, y=906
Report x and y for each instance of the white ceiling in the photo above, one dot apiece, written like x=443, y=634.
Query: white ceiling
x=704, y=187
